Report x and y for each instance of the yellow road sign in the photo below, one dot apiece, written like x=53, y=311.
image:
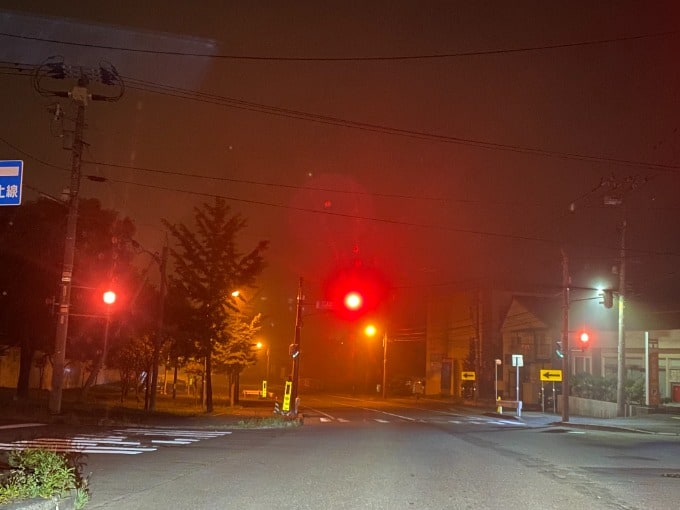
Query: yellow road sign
x=467, y=376
x=551, y=375
x=286, y=395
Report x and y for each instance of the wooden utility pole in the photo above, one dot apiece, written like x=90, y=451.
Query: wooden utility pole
x=296, y=343
x=79, y=95
x=158, y=340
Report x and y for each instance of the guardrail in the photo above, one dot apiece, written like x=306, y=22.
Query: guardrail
x=256, y=393
x=509, y=404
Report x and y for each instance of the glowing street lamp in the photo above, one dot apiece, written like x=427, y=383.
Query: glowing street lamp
x=259, y=345
x=371, y=330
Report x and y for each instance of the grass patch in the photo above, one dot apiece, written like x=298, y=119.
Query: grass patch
x=104, y=406
x=274, y=422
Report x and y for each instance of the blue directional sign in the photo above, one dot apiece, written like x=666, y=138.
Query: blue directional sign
x=11, y=173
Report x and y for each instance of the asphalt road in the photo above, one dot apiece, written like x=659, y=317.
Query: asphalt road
x=354, y=453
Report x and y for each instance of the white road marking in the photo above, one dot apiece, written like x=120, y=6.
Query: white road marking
x=118, y=443
x=22, y=425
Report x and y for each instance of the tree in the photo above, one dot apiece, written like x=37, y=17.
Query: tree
x=31, y=251
x=30, y=243
x=238, y=352
x=208, y=268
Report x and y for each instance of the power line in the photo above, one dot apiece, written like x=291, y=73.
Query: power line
x=228, y=102
x=378, y=128
x=380, y=58
x=349, y=216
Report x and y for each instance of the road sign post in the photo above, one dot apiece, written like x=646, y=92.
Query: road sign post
x=11, y=176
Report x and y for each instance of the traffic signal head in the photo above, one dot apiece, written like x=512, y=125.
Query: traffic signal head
x=608, y=298
x=353, y=301
x=559, y=350
x=355, y=290
x=294, y=350
x=584, y=340
x=109, y=297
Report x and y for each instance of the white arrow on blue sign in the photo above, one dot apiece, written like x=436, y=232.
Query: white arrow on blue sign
x=11, y=174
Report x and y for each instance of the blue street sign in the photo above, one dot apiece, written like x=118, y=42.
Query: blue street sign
x=11, y=173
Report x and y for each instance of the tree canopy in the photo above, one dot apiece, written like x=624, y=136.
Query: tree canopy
x=209, y=267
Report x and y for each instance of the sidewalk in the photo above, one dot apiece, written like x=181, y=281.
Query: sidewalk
x=662, y=424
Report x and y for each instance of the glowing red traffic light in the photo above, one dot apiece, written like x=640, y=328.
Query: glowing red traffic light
x=109, y=297
x=584, y=339
x=355, y=290
x=353, y=301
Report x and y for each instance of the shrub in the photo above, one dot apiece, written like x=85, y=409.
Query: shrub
x=586, y=385
x=36, y=473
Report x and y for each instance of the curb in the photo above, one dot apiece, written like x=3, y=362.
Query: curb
x=64, y=503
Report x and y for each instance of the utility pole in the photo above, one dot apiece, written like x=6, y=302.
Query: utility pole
x=53, y=68
x=158, y=341
x=621, y=354
x=79, y=95
x=296, y=343
x=565, y=336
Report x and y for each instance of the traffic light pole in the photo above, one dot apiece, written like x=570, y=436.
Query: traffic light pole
x=296, y=343
x=565, y=337
x=621, y=344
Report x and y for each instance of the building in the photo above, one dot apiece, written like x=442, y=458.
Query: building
x=533, y=325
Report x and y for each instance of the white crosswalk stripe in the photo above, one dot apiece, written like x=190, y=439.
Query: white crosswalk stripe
x=122, y=442
x=461, y=420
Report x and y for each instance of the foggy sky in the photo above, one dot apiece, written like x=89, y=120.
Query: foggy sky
x=526, y=138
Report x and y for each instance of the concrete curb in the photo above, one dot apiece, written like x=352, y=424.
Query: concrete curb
x=65, y=503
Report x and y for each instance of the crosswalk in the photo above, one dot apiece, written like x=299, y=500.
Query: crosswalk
x=463, y=420
x=127, y=441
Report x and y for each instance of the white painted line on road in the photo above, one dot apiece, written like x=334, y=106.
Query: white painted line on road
x=455, y=421
x=330, y=417
x=380, y=421
x=325, y=420
x=201, y=434
x=107, y=440
x=173, y=441
x=342, y=420
x=408, y=418
x=65, y=446
x=22, y=425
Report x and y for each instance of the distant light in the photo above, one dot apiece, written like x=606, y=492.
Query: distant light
x=370, y=330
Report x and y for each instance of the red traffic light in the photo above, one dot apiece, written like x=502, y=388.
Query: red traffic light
x=353, y=301
x=584, y=339
x=109, y=297
x=355, y=290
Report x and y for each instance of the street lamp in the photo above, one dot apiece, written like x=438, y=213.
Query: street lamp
x=498, y=363
x=260, y=345
x=371, y=330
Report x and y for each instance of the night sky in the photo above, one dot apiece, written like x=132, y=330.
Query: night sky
x=441, y=142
